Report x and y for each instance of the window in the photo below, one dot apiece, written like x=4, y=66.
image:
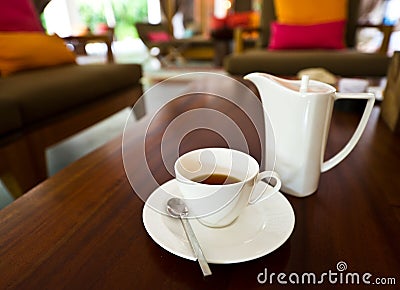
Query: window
x=74, y=17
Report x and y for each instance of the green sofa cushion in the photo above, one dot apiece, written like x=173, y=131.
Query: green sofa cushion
x=43, y=93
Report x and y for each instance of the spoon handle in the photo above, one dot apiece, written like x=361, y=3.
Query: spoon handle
x=196, y=247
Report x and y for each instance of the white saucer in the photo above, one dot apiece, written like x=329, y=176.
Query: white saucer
x=258, y=231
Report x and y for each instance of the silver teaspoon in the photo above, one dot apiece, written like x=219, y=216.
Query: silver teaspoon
x=177, y=208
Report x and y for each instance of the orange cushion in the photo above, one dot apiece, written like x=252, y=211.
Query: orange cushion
x=310, y=11
x=28, y=50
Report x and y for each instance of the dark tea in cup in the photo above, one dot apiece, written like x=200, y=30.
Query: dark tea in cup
x=216, y=179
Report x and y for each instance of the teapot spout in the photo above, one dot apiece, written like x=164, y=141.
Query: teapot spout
x=258, y=79
x=263, y=82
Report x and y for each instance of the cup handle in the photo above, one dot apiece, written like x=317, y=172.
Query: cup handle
x=335, y=160
x=268, y=191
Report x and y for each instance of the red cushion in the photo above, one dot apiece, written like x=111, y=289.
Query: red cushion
x=217, y=23
x=328, y=35
x=158, y=36
x=238, y=19
x=18, y=15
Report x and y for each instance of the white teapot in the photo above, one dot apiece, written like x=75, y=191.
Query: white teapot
x=300, y=112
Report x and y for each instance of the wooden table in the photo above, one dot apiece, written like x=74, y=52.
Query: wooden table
x=83, y=227
x=79, y=42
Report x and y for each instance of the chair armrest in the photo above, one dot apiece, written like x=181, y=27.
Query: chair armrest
x=387, y=32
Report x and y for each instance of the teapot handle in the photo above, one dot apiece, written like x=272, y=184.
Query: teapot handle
x=335, y=160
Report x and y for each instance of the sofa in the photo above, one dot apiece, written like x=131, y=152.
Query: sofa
x=346, y=62
x=42, y=106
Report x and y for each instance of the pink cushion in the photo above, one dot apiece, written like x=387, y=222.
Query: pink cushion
x=328, y=35
x=158, y=36
x=18, y=15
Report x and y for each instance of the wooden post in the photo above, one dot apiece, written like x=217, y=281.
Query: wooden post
x=387, y=32
x=17, y=167
x=170, y=15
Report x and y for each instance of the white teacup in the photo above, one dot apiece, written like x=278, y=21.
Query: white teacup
x=200, y=174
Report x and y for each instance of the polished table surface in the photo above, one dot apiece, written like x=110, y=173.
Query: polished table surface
x=83, y=228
